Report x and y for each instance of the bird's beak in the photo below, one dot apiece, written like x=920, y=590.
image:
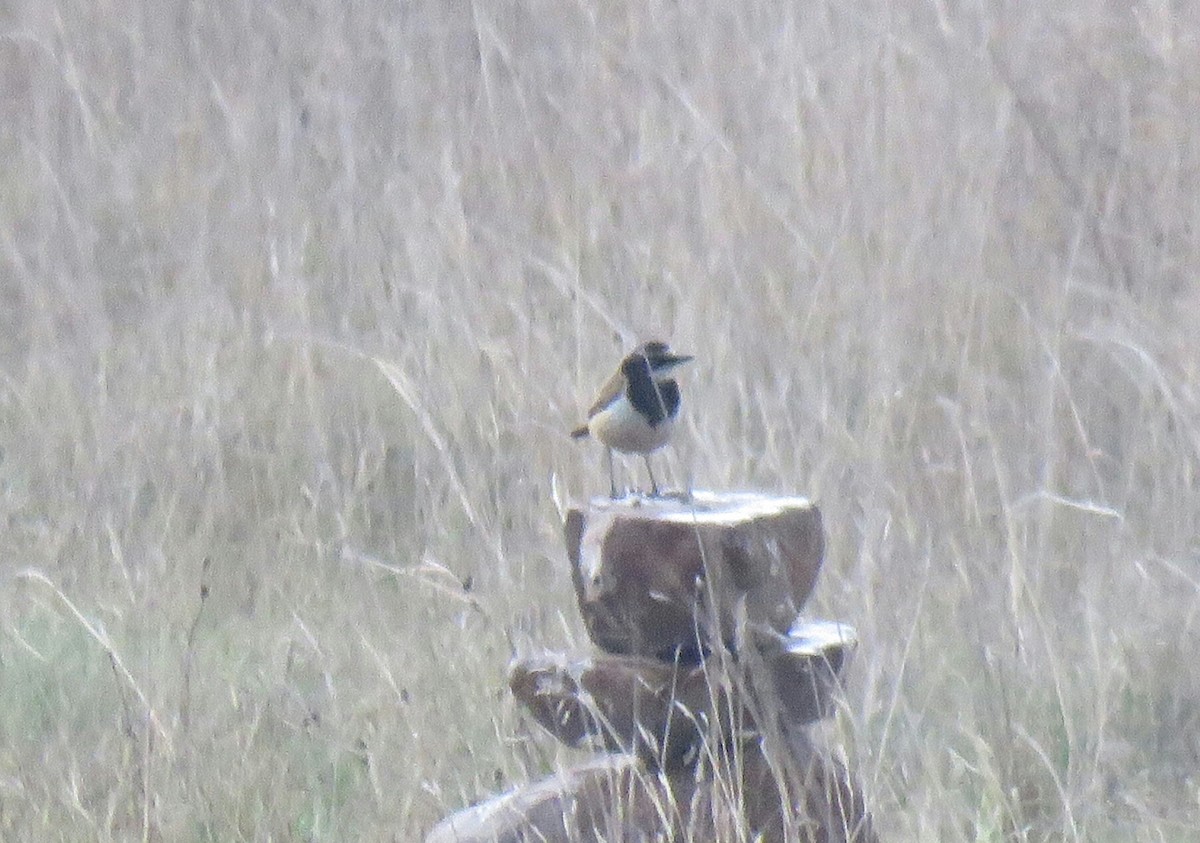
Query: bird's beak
x=673, y=361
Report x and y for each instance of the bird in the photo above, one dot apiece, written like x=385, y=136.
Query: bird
x=636, y=409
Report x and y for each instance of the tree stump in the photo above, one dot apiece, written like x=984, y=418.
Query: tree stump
x=704, y=682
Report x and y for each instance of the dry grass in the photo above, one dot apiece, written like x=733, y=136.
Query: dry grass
x=312, y=291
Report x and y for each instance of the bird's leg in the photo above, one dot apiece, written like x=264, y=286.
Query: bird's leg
x=653, y=483
x=612, y=476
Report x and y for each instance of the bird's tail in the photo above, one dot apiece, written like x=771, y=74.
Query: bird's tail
x=580, y=432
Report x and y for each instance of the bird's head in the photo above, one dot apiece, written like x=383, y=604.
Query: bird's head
x=657, y=357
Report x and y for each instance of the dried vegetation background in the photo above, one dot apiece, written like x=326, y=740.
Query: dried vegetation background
x=297, y=301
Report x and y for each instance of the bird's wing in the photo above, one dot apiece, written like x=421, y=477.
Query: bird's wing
x=610, y=392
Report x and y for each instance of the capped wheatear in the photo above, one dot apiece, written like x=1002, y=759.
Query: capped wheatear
x=635, y=411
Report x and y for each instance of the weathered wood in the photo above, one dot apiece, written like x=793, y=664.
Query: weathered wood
x=605, y=796
x=705, y=684
x=806, y=667
x=663, y=576
x=611, y=798
x=663, y=710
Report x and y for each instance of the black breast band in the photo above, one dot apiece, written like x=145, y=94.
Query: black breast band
x=657, y=402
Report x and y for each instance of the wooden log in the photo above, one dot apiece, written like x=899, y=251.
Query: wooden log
x=663, y=711
x=612, y=798
x=665, y=577
x=604, y=796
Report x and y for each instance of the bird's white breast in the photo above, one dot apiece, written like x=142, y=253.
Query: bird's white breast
x=622, y=428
